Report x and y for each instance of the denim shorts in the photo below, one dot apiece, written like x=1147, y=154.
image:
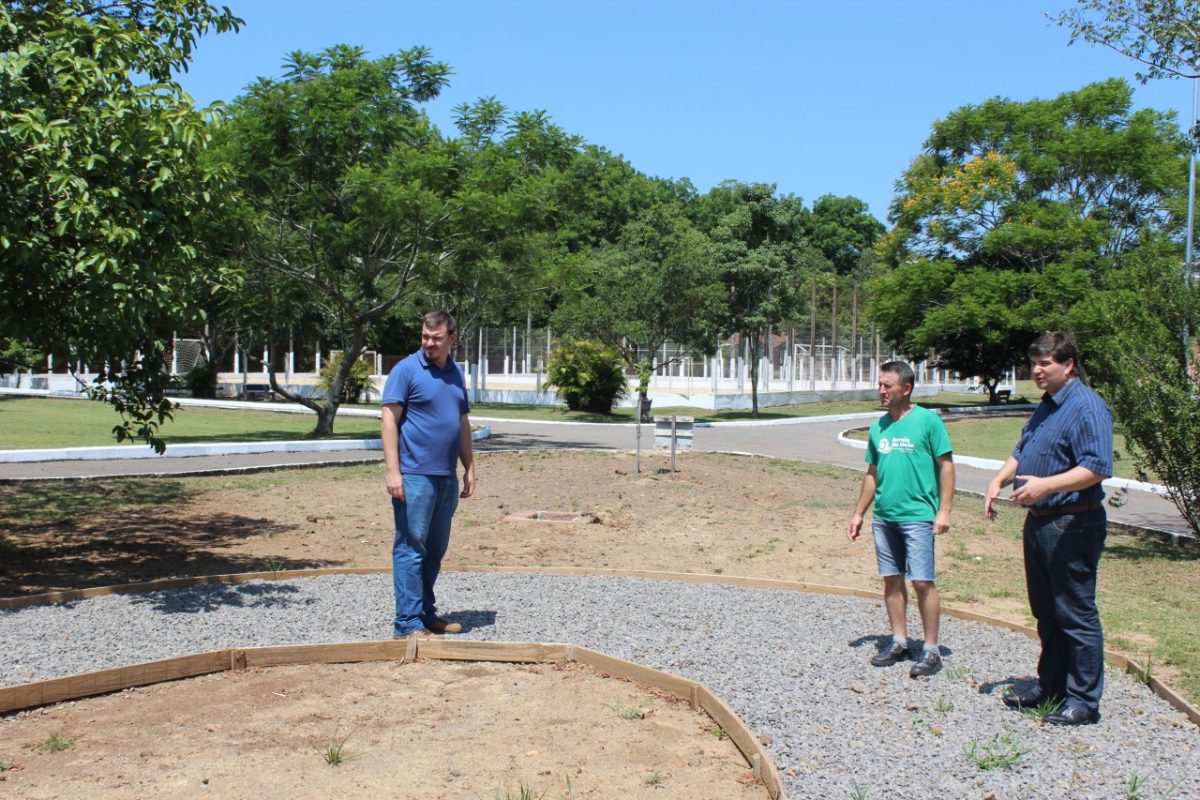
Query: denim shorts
x=904, y=548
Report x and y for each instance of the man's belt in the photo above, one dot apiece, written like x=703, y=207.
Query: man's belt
x=1069, y=508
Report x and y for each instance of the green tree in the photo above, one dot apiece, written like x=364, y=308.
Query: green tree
x=762, y=255
x=509, y=165
x=656, y=284
x=102, y=192
x=348, y=192
x=1014, y=214
x=1136, y=359
x=1163, y=35
x=844, y=231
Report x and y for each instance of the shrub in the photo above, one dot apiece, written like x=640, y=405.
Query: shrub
x=587, y=375
x=201, y=380
x=358, y=381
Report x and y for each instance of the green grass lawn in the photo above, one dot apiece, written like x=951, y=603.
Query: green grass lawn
x=50, y=422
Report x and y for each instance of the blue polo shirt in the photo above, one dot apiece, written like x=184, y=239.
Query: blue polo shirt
x=1073, y=428
x=434, y=401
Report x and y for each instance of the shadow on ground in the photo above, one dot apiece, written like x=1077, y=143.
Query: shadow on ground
x=131, y=545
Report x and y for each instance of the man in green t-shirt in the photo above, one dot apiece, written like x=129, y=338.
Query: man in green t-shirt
x=910, y=479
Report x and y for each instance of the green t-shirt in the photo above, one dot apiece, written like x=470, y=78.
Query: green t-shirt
x=904, y=453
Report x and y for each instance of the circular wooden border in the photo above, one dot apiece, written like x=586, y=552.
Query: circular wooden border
x=117, y=679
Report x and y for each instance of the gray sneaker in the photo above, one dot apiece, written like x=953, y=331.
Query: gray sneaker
x=885, y=658
x=929, y=663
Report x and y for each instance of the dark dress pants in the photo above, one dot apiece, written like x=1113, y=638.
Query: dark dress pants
x=1062, y=554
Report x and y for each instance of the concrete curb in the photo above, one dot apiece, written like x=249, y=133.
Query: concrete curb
x=200, y=449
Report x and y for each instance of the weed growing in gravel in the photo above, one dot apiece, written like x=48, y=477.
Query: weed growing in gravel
x=957, y=673
x=626, y=712
x=655, y=778
x=858, y=792
x=719, y=732
x=1135, y=787
x=335, y=752
x=275, y=566
x=943, y=705
x=1002, y=751
x=1044, y=709
x=56, y=743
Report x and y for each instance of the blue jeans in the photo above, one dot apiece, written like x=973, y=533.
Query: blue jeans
x=904, y=548
x=422, y=536
x=1062, y=555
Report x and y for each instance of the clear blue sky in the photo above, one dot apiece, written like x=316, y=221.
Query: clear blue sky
x=815, y=96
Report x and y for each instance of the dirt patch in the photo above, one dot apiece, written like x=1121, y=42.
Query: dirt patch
x=421, y=730
x=718, y=514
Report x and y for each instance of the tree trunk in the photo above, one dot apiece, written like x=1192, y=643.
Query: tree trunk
x=753, y=367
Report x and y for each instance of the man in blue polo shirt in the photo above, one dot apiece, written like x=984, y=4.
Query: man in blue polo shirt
x=1064, y=452
x=425, y=431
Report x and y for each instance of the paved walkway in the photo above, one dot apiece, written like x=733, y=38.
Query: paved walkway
x=813, y=441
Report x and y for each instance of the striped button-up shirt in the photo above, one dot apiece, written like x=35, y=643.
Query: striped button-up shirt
x=1072, y=428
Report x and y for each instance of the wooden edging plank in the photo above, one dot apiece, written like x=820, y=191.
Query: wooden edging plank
x=72, y=687
x=1117, y=659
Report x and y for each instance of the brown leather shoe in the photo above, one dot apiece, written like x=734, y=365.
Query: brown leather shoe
x=419, y=633
x=440, y=626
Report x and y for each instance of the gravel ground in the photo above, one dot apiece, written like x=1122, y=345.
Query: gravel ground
x=792, y=665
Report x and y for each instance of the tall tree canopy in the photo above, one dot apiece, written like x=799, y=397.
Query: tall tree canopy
x=762, y=254
x=844, y=231
x=103, y=197
x=353, y=196
x=656, y=284
x=1014, y=213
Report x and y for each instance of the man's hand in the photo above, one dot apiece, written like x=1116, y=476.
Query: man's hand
x=1032, y=490
x=854, y=529
x=989, y=499
x=395, y=486
x=468, y=484
x=941, y=522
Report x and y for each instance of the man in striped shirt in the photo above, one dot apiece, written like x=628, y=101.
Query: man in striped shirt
x=1064, y=452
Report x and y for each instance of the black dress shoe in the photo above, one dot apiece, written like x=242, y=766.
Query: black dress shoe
x=1073, y=715
x=1030, y=698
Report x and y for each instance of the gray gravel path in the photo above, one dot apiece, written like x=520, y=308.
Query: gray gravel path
x=792, y=665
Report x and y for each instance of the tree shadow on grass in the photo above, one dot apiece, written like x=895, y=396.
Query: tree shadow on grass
x=1149, y=548
x=29, y=502
x=138, y=544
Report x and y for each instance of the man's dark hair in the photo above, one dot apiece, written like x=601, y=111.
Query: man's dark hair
x=1059, y=346
x=902, y=371
x=436, y=319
